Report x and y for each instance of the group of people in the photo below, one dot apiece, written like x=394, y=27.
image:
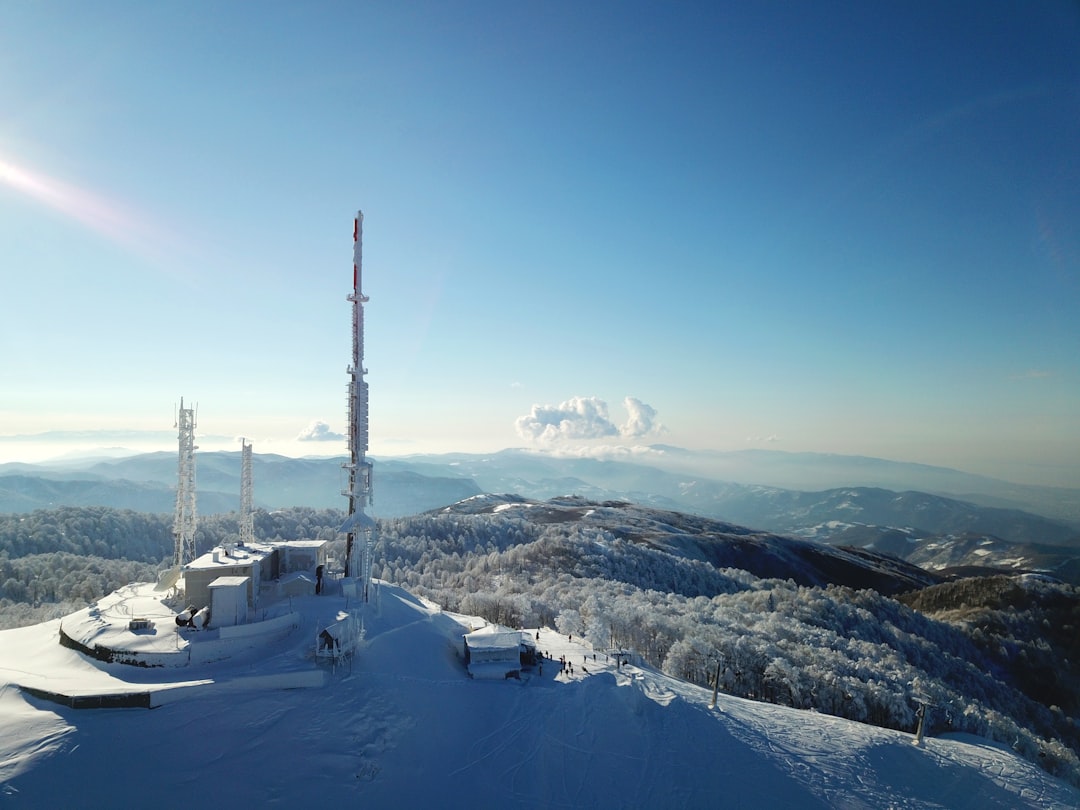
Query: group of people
x=565, y=665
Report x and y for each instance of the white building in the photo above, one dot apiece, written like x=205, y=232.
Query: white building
x=495, y=652
x=261, y=564
x=256, y=563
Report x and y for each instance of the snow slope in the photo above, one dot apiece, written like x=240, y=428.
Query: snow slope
x=404, y=726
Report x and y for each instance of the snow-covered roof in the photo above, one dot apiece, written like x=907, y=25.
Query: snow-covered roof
x=299, y=543
x=493, y=637
x=229, y=582
x=238, y=557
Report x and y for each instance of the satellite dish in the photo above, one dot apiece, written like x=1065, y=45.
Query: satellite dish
x=167, y=579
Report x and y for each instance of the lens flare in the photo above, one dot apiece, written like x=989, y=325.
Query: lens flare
x=95, y=212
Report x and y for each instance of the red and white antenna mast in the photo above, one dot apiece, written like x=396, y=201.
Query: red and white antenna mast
x=359, y=528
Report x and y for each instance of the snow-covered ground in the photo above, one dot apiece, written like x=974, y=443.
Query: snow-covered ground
x=404, y=726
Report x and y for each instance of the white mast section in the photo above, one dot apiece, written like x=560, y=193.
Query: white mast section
x=247, y=496
x=358, y=527
x=184, y=522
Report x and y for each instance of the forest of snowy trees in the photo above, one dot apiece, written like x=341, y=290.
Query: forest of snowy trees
x=995, y=657
x=852, y=653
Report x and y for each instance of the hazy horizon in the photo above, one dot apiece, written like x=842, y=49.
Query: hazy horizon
x=50, y=452
x=839, y=229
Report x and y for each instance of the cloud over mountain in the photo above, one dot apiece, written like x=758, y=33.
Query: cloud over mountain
x=319, y=431
x=585, y=418
x=641, y=421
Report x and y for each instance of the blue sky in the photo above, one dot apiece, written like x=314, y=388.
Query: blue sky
x=834, y=227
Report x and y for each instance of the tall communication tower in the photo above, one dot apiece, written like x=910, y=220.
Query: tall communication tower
x=184, y=524
x=359, y=527
x=247, y=496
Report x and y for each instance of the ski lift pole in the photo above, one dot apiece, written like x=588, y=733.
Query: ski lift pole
x=919, y=732
x=716, y=684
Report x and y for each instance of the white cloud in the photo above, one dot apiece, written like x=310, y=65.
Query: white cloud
x=319, y=431
x=641, y=419
x=585, y=418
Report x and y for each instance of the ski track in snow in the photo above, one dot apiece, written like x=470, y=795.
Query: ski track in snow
x=402, y=725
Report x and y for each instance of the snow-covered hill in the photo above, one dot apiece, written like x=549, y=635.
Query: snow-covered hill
x=404, y=726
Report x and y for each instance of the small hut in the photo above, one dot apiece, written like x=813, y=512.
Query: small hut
x=495, y=652
x=229, y=601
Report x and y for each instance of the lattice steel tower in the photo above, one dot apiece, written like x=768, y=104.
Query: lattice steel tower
x=359, y=528
x=184, y=524
x=247, y=496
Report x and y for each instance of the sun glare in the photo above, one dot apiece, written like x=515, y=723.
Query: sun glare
x=91, y=210
x=99, y=214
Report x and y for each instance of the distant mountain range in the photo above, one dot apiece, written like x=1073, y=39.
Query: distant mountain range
x=147, y=483
x=996, y=524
